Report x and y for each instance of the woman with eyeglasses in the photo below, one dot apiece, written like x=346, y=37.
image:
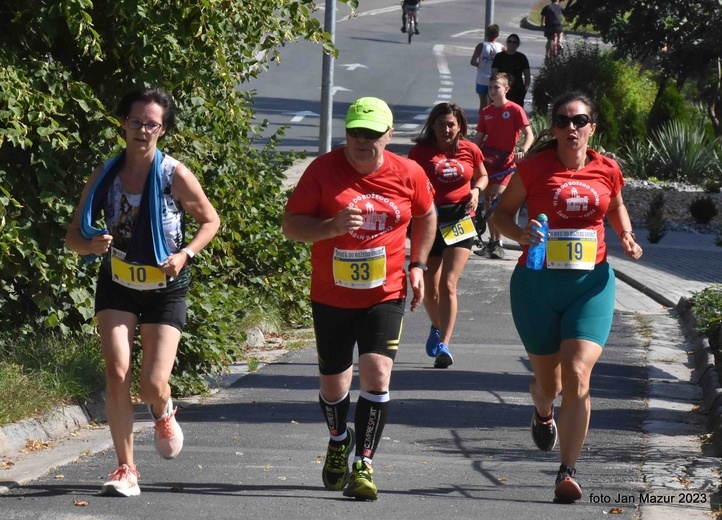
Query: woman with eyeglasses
x=455, y=168
x=144, y=273
x=563, y=312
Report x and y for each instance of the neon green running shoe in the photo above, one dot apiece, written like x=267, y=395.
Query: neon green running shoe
x=361, y=482
x=335, y=469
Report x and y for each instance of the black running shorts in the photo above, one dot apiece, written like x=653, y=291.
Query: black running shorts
x=376, y=330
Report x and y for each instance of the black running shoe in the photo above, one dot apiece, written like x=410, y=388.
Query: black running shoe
x=544, y=433
x=567, y=489
x=335, y=469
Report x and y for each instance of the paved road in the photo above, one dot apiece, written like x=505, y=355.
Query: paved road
x=457, y=443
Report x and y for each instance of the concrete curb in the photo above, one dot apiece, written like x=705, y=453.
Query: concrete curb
x=57, y=423
x=706, y=375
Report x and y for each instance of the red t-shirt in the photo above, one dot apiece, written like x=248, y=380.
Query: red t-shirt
x=450, y=173
x=571, y=199
x=502, y=126
x=388, y=197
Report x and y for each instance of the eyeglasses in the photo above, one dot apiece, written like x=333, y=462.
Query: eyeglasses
x=579, y=121
x=366, y=133
x=515, y=42
x=136, y=124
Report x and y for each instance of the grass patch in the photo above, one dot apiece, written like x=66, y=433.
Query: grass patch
x=41, y=371
x=644, y=326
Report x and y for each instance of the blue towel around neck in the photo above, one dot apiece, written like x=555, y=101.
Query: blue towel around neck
x=151, y=209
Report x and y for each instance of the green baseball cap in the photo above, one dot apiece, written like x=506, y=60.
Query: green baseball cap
x=370, y=112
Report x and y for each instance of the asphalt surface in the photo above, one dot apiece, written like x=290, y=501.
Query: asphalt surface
x=458, y=440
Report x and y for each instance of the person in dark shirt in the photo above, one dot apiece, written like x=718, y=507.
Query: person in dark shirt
x=551, y=19
x=516, y=66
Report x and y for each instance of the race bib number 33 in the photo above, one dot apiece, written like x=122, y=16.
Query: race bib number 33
x=572, y=249
x=359, y=269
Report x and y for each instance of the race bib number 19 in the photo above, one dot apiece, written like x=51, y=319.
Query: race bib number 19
x=359, y=269
x=572, y=249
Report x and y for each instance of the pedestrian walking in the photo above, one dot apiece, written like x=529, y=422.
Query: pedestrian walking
x=497, y=134
x=516, y=66
x=144, y=274
x=563, y=312
x=482, y=59
x=455, y=167
x=354, y=205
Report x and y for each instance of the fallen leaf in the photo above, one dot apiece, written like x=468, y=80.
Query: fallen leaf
x=616, y=511
x=294, y=422
x=503, y=479
x=58, y=477
x=80, y=503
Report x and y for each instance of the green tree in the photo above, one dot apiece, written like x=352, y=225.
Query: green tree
x=63, y=66
x=680, y=39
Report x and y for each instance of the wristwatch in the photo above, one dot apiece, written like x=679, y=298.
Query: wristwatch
x=621, y=235
x=420, y=265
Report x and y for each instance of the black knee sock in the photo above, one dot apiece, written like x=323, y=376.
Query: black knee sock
x=371, y=411
x=336, y=414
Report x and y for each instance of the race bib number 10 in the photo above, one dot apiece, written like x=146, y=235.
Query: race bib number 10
x=572, y=249
x=136, y=276
x=359, y=269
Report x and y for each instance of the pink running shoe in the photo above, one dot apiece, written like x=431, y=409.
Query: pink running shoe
x=123, y=483
x=168, y=434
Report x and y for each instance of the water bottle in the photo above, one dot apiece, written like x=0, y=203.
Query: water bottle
x=537, y=251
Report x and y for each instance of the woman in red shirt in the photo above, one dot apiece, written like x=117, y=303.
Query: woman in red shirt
x=455, y=168
x=563, y=312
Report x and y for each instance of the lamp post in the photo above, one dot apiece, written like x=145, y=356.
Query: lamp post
x=489, y=13
x=324, y=139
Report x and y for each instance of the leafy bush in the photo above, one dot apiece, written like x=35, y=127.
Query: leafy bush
x=620, y=89
x=60, y=82
x=654, y=218
x=707, y=307
x=703, y=210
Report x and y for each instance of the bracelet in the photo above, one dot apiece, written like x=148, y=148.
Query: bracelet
x=187, y=251
x=478, y=188
x=420, y=265
x=621, y=235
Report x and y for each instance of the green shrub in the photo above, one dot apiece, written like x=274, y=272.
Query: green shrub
x=703, y=210
x=670, y=105
x=707, y=307
x=620, y=88
x=60, y=83
x=654, y=218
x=683, y=152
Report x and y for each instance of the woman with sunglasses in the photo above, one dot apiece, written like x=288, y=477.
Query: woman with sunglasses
x=455, y=168
x=144, y=271
x=563, y=312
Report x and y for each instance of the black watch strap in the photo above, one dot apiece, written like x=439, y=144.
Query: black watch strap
x=420, y=265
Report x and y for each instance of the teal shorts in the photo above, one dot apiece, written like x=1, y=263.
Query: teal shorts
x=551, y=305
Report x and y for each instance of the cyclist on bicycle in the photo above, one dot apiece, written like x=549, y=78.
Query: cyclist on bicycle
x=551, y=19
x=406, y=6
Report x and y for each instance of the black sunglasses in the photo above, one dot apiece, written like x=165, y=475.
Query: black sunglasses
x=371, y=135
x=579, y=121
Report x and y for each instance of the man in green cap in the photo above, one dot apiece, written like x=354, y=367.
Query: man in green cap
x=354, y=205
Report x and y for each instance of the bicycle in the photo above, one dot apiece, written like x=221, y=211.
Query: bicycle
x=411, y=21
